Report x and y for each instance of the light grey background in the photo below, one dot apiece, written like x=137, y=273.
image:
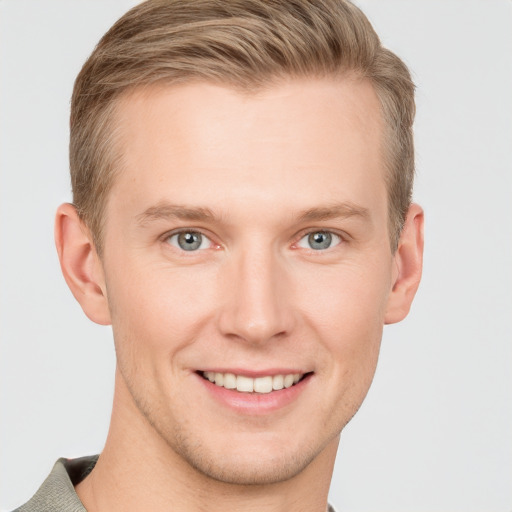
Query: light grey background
x=435, y=433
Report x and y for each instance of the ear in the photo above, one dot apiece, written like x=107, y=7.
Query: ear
x=80, y=264
x=408, y=263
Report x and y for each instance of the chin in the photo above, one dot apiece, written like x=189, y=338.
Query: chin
x=250, y=459
x=243, y=469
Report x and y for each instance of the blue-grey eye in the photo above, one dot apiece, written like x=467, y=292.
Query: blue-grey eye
x=319, y=240
x=189, y=241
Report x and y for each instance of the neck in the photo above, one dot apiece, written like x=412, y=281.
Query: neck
x=137, y=470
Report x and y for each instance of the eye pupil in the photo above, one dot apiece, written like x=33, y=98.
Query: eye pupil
x=190, y=241
x=320, y=240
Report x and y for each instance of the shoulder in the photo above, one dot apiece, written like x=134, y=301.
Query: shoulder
x=57, y=492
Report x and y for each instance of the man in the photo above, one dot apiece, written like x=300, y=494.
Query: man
x=242, y=177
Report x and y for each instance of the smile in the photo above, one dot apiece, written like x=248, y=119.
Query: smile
x=244, y=384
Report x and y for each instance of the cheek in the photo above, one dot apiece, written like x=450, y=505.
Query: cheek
x=348, y=322
x=157, y=312
x=348, y=316
x=349, y=299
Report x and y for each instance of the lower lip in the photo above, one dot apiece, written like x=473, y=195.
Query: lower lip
x=256, y=403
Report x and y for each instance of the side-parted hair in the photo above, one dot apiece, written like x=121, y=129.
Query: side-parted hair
x=246, y=44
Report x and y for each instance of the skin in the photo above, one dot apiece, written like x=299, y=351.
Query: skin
x=299, y=157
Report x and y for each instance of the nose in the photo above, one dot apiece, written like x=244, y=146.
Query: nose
x=256, y=302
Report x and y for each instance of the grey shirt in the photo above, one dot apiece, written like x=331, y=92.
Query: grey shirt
x=57, y=493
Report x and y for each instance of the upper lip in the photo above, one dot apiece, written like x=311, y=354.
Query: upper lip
x=254, y=373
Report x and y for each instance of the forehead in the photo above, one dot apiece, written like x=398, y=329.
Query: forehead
x=306, y=137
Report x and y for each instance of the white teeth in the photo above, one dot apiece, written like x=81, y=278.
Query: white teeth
x=288, y=381
x=278, y=382
x=229, y=381
x=263, y=384
x=245, y=384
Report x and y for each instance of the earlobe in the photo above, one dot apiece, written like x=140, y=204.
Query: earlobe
x=80, y=264
x=409, y=262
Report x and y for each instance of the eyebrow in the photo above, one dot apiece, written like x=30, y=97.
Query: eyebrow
x=335, y=211
x=168, y=211
x=172, y=211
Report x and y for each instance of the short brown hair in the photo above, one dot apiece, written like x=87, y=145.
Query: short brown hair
x=243, y=43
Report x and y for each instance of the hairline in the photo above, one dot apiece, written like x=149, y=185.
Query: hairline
x=112, y=127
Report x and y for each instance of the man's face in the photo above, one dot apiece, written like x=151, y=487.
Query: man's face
x=247, y=241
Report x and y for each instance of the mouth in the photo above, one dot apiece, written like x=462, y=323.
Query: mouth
x=245, y=384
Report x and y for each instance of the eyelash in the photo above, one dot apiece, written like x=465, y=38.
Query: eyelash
x=333, y=235
x=295, y=245
x=168, y=236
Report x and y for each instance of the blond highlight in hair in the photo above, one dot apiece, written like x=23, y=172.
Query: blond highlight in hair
x=246, y=44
